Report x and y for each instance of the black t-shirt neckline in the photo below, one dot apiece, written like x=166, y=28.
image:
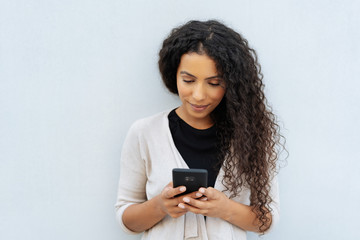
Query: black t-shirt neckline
x=198, y=147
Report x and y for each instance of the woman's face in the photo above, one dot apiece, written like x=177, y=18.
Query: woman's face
x=200, y=89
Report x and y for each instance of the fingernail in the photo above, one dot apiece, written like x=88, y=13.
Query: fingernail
x=198, y=194
x=182, y=189
x=204, y=199
x=202, y=190
x=186, y=200
x=181, y=205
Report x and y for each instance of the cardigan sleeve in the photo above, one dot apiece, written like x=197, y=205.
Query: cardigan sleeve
x=132, y=182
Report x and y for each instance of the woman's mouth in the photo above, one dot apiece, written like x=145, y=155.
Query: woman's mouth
x=198, y=108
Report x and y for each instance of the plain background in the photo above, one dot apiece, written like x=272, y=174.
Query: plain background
x=75, y=74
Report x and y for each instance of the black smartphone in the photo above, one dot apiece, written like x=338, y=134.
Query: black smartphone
x=192, y=179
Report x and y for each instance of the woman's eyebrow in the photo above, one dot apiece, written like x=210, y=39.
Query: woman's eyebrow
x=217, y=76
x=209, y=78
x=184, y=72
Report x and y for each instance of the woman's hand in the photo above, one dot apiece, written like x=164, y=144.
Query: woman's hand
x=169, y=202
x=213, y=204
x=216, y=204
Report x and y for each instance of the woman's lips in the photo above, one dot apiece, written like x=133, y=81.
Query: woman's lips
x=198, y=108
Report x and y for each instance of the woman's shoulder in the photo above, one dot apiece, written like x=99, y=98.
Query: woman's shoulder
x=155, y=121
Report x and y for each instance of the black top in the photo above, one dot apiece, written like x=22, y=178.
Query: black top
x=197, y=147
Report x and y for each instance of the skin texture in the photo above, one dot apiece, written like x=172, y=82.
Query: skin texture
x=200, y=90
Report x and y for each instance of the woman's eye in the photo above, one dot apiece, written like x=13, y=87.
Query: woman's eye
x=188, y=80
x=214, y=84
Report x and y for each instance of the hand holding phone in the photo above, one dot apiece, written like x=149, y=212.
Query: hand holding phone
x=192, y=179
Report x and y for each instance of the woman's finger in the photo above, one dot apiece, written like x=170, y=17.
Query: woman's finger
x=209, y=192
x=194, y=202
x=170, y=192
x=193, y=209
x=192, y=195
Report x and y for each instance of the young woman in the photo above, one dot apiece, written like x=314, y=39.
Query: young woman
x=223, y=125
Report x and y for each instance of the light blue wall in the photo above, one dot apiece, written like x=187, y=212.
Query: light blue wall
x=75, y=74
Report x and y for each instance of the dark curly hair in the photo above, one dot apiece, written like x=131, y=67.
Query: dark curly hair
x=248, y=133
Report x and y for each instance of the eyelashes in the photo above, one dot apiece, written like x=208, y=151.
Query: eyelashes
x=210, y=83
x=188, y=81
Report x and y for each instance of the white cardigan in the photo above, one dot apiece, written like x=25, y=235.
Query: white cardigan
x=148, y=157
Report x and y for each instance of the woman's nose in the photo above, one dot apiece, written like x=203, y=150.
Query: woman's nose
x=199, y=92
